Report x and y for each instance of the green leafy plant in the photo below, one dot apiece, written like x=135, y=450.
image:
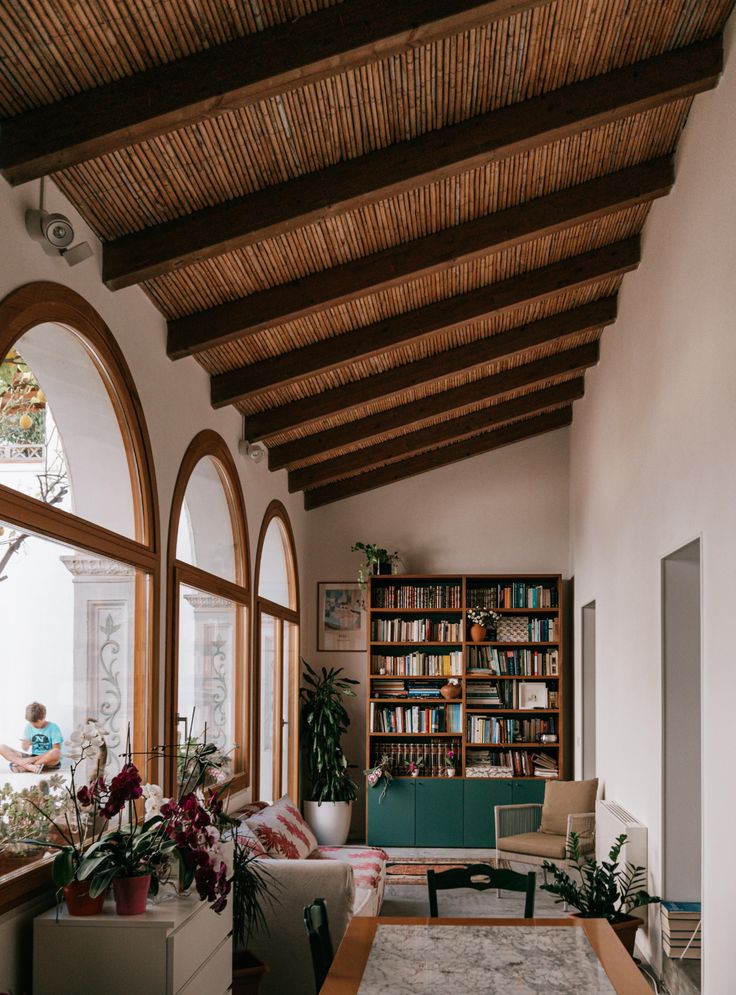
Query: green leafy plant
x=373, y=556
x=324, y=721
x=252, y=885
x=606, y=890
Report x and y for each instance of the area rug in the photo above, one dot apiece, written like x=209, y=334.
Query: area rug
x=413, y=870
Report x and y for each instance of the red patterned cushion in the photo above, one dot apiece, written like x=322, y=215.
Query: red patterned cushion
x=282, y=831
x=248, y=838
x=368, y=863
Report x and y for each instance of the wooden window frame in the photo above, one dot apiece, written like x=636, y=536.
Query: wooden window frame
x=209, y=444
x=264, y=606
x=44, y=302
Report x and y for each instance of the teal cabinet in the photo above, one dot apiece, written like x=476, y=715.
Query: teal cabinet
x=526, y=792
x=391, y=823
x=439, y=812
x=444, y=811
x=481, y=797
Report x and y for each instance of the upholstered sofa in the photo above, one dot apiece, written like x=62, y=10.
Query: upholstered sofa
x=351, y=879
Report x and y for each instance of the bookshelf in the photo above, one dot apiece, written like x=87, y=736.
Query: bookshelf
x=419, y=638
x=511, y=689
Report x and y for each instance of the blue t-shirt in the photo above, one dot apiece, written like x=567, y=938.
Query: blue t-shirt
x=42, y=740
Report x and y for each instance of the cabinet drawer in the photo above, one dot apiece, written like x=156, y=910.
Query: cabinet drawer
x=191, y=944
x=214, y=976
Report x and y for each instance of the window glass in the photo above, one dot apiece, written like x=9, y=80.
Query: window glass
x=205, y=533
x=274, y=576
x=288, y=705
x=71, y=627
x=206, y=668
x=268, y=661
x=60, y=434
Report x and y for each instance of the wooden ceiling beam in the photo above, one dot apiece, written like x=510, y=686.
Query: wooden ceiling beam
x=360, y=460
x=437, y=155
x=415, y=412
x=596, y=314
x=433, y=458
x=608, y=262
x=409, y=261
x=257, y=67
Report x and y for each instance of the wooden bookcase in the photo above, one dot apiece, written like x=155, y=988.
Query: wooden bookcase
x=492, y=675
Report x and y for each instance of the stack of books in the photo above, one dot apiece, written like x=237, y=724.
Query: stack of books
x=545, y=765
x=681, y=924
x=389, y=689
x=482, y=693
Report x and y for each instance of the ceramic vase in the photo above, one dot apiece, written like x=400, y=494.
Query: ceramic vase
x=329, y=821
x=477, y=633
x=131, y=894
x=450, y=771
x=451, y=691
x=78, y=901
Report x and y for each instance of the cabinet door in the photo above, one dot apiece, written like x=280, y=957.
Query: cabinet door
x=526, y=792
x=439, y=819
x=481, y=797
x=391, y=823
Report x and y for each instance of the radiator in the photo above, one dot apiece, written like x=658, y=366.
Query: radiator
x=611, y=820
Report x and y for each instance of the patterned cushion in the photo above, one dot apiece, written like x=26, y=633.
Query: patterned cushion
x=249, y=839
x=368, y=862
x=282, y=831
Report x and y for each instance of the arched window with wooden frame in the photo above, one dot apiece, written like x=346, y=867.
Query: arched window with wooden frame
x=79, y=553
x=207, y=685
x=277, y=654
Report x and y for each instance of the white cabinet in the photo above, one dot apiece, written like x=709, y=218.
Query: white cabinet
x=180, y=947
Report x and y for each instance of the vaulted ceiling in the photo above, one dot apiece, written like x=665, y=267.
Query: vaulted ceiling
x=392, y=232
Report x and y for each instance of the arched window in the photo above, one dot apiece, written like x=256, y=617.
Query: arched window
x=207, y=687
x=277, y=610
x=78, y=545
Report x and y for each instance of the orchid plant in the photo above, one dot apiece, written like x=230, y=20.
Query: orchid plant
x=381, y=772
x=450, y=759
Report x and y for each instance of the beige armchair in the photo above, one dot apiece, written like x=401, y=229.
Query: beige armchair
x=531, y=834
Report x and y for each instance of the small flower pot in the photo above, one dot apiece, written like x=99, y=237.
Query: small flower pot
x=450, y=771
x=78, y=901
x=131, y=894
x=414, y=773
x=477, y=633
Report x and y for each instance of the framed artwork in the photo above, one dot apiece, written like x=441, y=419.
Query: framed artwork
x=532, y=695
x=341, y=617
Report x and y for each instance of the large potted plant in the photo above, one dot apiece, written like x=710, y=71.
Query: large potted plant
x=251, y=886
x=324, y=721
x=605, y=891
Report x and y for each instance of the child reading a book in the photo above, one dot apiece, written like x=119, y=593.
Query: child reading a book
x=41, y=744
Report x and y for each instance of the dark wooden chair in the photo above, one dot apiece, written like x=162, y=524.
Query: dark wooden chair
x=481, y=877
x=320, y=941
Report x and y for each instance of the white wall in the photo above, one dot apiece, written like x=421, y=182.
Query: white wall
x=501, y=511
x=652, y=468
x=175, y=399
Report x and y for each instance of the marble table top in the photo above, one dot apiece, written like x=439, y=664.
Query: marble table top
x=483, y=960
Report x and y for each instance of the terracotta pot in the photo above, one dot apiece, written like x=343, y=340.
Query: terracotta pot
x=130, y=894
x=78, y=901
x=477, y=633
x=450, y=691
x=248, y=972
x=625, y=930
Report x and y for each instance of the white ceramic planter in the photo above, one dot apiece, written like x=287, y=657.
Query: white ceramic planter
x=330, y=821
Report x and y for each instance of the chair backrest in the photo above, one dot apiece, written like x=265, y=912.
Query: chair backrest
x=480, y=877
x=320, y=941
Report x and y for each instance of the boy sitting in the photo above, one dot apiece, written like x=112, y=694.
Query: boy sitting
x=42, y=738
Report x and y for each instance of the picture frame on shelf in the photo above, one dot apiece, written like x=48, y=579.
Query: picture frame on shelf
x=532, y=695
x=341, y=617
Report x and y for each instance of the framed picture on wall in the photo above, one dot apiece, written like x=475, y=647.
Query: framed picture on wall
x=341, y=617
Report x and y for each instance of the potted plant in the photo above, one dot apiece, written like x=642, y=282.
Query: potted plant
x=450, y=762
x=414, y=767
x=251, y=886
x=380, y=773
x=324, y=720
x=482, y=620
x=378, y=560
x=605, y=891
x=24, y=814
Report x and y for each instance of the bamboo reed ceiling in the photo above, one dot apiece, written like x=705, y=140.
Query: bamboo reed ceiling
x=341, y=308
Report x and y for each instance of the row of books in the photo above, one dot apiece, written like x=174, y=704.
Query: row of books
x=519, y=662
x=510, y=763
x=682, y=929
x=517, y=594
x=544, y=630
x=503, y=694
x=415, y=718
x=420, y=630
x=418, y=664
x=417, y=596
x=406, y=689
x=491, y=729
x=431, y=755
